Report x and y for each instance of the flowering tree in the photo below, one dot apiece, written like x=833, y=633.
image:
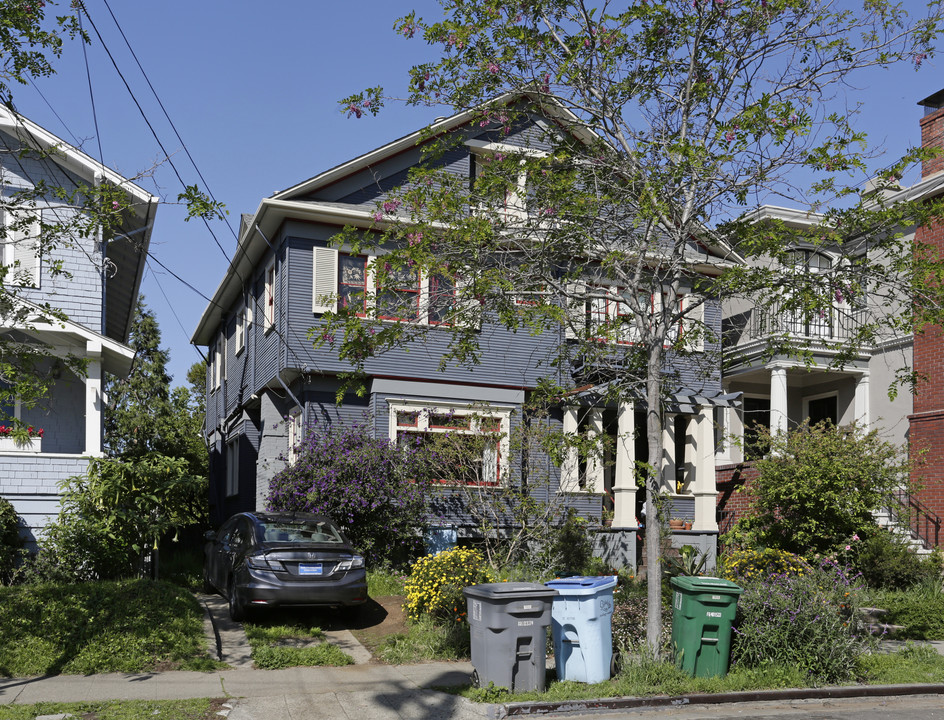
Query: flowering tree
x=666, y=119
x=367, y=485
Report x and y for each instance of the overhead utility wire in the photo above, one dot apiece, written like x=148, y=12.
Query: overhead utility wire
x=75, y=140
x=166, y=115
x=88, y=75
x=240, y=248
x=173, y=311
x=150, y=126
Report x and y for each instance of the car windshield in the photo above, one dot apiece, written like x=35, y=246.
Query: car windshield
x=299, y=531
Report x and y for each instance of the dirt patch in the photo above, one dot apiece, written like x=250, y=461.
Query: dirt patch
x=379, y=618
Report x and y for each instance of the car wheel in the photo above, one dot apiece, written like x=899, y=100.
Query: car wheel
x=237, y=611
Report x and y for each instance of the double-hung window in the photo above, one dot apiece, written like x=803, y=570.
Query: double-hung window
x=295, y=433
x=398, y=297
x=473, y=442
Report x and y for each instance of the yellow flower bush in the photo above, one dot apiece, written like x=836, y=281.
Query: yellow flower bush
x=744, y=565
x=436, y=581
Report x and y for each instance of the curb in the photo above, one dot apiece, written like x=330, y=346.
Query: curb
x=499, y=712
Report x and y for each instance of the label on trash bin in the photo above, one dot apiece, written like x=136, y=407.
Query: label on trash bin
x=527, y=607
x=713, y=614
x=606, y=605
x=477, y=610
x=715, y=597
x=525, y=623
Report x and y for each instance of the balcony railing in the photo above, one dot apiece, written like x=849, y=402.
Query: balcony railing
x=837, y=326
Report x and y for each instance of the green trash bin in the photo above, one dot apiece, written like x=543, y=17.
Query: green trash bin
x=703, y=610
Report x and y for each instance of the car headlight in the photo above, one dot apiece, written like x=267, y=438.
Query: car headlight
x=350, y=563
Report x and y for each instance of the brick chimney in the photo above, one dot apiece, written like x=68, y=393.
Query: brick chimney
x=932, y=131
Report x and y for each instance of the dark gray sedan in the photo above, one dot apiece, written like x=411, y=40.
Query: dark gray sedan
x=274, y=559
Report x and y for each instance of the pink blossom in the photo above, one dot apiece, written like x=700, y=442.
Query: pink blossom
x=729, y=136
x=378, y=216
x=391, y=206
x=848, y=547
x=492, y=67
x=415, y=238
x=114, y=204
x=855, y=536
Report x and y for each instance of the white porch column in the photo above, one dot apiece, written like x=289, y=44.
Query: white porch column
x=862, y=414
x=624, y=482
x=703, y=485
x=570, y=470
x=595, y=458
x=778, y=400
x=93, y=399
x=668, y=454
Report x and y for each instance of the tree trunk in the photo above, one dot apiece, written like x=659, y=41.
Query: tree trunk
x=653, y=489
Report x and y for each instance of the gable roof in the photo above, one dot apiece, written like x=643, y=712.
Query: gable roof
x=288, y=203
x=128, y=249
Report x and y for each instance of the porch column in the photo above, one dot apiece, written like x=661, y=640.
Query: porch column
x=595, y=458
x=862, y=415
x=93, y=399
x=668, y=453
x=570, y=469
x=778, y=400
x=703, y=485
x=624, y=482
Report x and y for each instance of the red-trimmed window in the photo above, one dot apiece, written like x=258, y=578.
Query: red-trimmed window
x=399, y=298
x=419, y=427
x=442, y=300
x=352, y=282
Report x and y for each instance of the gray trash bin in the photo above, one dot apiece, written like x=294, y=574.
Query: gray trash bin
x=508, y=622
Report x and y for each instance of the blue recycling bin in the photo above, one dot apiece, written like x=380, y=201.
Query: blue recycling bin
x=581, y=623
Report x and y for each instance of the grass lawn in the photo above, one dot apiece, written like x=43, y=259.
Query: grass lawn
x=278, y=644
x=644, y=678
x=97, y=627
x=200, y=709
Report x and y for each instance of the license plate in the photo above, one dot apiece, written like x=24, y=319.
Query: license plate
x=310, y=569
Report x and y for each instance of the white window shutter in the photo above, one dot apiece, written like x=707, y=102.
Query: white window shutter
x=22, y=250
x=325, y=280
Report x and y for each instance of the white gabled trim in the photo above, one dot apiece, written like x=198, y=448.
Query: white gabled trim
x=66, y=155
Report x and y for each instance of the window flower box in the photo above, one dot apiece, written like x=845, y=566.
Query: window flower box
x=9, y=443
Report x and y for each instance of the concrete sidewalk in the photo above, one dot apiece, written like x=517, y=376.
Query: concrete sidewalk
x=358, y=692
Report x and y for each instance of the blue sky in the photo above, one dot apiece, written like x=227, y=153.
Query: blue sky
x=252, y=89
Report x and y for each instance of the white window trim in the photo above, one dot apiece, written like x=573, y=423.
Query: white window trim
x=425, y=409
x=215, y=363
x=268, y=297
x=240, y=334
x=515, y=201
x=296, y=429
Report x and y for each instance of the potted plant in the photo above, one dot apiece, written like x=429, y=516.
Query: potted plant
x=676, y=523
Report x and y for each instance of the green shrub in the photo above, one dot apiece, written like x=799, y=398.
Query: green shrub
x=11, y=544
x=885, y=561
x=919, y=610
x=571, y=549
x=809, y=620
x=436, y=581
x=743, y=566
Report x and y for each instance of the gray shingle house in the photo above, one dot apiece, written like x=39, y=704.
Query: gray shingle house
x=267, y=385
x=97, y=292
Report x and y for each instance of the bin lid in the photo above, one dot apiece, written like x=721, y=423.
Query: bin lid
x=706, y=584
x=582, y=585
x=508, y=591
